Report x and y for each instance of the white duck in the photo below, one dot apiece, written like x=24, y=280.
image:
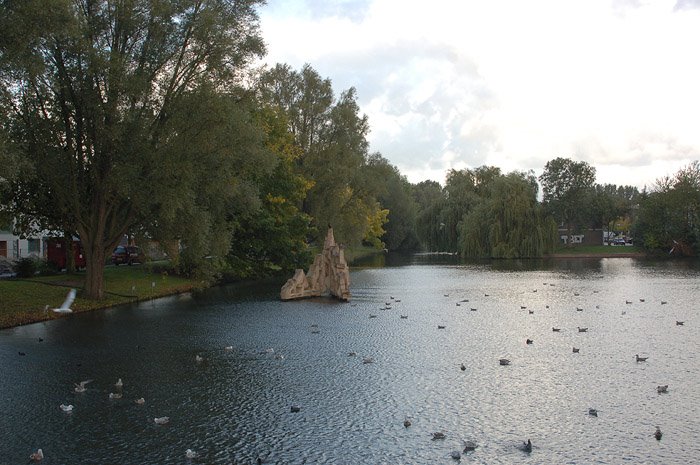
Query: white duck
x=80, y=387
x=66, y=408
x=190, y=454
x=140, y=401
x=161, y=420
x=119, y=383
x=36, y=456
x=65, y=306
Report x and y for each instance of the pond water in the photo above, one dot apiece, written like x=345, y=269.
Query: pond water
x=235, y=405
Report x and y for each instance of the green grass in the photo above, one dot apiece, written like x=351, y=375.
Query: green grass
x=23, y=301
x=597, y=250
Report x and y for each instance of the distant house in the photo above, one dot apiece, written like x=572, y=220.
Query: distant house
x=587, y=237
x=13, y=247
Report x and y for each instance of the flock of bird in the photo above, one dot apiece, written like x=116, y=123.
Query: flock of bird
x=469, y=446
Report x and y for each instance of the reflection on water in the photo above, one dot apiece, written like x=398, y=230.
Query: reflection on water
x=235, y=405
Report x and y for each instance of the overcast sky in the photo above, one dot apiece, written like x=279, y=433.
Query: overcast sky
x=460, y=84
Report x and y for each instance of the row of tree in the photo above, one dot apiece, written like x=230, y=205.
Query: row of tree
x=146, y=118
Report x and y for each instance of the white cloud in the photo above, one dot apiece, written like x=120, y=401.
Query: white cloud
x=454, y=84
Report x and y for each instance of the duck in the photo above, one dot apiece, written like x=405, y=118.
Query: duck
x=65, y=306
x=504, y=361
x=190, y=454
x=593, y=412
x=556, y=330
x=579, y=309
x=352, y=354
x=582, y=330
x=404, y=317
x=462, y=367
x=640, y=359
x=658, y=434
x=528, y=341
x=367, y=360
x=523, y=307
x=458, y=304
x=295, y=409
x=663, y=302
x=531, y=312
x=662, y=389
x=228, y=348
x=680, y=323
x=472, y=309
x=140, y=401
x=115, y=395
x=441, y=327
x=198, y=358
x=80, y=387
x=456, y=455
x=469, y=446
x=527, y=446
x=373, y=316
x=66, y=408
x=161, y=420
x=119, y=383
x=406, y=423
x=576, y=349
x=37, y=456
x=438, y=435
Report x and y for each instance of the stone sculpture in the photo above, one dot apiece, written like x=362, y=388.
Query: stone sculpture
x=329, y=274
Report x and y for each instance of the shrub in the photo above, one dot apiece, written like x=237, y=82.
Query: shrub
x=25, y=267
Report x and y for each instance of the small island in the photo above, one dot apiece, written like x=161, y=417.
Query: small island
x=329, y=274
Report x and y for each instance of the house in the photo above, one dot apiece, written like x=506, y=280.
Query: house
x=586, y=237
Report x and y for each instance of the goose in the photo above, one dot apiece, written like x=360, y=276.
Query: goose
x=80, y=387
x=663, y=302
x=658, y=434
x=438, y=435
x=662, y=389
x=115, y=395
x=593, y=412
x=65, y=306
x=66, y=408
x=462, y=367
x=373, y=316
x=352, y=354
x=441, y=327
x=640, y=359
x=228, y=348
x=679, y=323
x=198, y=358
x=504, y=361
x=527, y=446
x=576, y=349
x=295, y=409
x=556, y=330
x=367, y=360
x=469, y=446
x=140, y=401
x=119, y=383
x=190, y=454
x=530, y=312
x=404, y=317
x=36, y=456
x=161, y=420
x=406, y=423
x=582, y=330
x=528, y=341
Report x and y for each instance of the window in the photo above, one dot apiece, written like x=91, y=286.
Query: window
x=34, y=246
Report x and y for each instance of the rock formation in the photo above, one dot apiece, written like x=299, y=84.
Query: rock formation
x=329, y=274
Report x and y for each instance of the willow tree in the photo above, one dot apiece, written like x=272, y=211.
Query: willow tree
x=93, y=87
x=508, y=222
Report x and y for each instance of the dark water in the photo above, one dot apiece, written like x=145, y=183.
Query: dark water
x=234, y=406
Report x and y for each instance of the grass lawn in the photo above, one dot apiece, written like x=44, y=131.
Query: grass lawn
x=23, y=301
x=597, y=250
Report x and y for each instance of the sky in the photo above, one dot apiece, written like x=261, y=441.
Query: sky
x=455, y=84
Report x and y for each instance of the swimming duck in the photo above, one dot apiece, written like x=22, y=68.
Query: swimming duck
x=679, y=323
x=119, y=383
x=406, y=423
x=504, y=361
x=66, y=408
x=456, y=455
x=527, y=446
x=80, y=387
x=576, y=349
x=658, y=434
x=469, y=446
x=161, y=420
x=582, y=330
x=462, y=367
x=662, y=389
x=198, y=358
x=640, y=359
x=140, y=401
x=593, y=412
x=528, y=341
x=190, y=454
x=556, y=330
x=295, y=409
x=441, y=327
x=438, y=435
x=115, y=395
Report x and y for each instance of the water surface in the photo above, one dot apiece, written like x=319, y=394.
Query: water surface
x=235, y=405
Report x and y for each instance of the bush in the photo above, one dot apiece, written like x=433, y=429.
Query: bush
x=26, y=267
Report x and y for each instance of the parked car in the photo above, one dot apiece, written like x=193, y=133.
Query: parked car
x=128, y=254
x=618, y=241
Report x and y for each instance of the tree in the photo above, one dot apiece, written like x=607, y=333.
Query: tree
x=566, y=191
x=94, y=89
x=507, y=222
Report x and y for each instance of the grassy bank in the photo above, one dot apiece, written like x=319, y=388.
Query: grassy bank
x=597, y=251
x=24, y=301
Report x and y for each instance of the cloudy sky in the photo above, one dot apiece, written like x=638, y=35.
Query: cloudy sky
x=460, y=84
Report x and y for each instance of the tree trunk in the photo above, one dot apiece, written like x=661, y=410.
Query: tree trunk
x=94, y=270
x=70, y=252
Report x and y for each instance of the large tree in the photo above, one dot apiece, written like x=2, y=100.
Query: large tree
x=96, y=91
x=567, y=188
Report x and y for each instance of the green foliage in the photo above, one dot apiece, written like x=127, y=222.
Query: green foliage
x=25, y=267
x=669, y=217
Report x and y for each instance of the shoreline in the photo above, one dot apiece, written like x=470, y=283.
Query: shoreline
x=598, y=255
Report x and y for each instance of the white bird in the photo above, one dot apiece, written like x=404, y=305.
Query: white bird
x=161, y=420
x=66, y=408
x=115, y=395
x=198, y=358
x=140, y=401
x=80, y=387
x=662, y=389
x=229, y=348
x=36, y=456
x=119, y=383
x=190, y=454
x=65, y=306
